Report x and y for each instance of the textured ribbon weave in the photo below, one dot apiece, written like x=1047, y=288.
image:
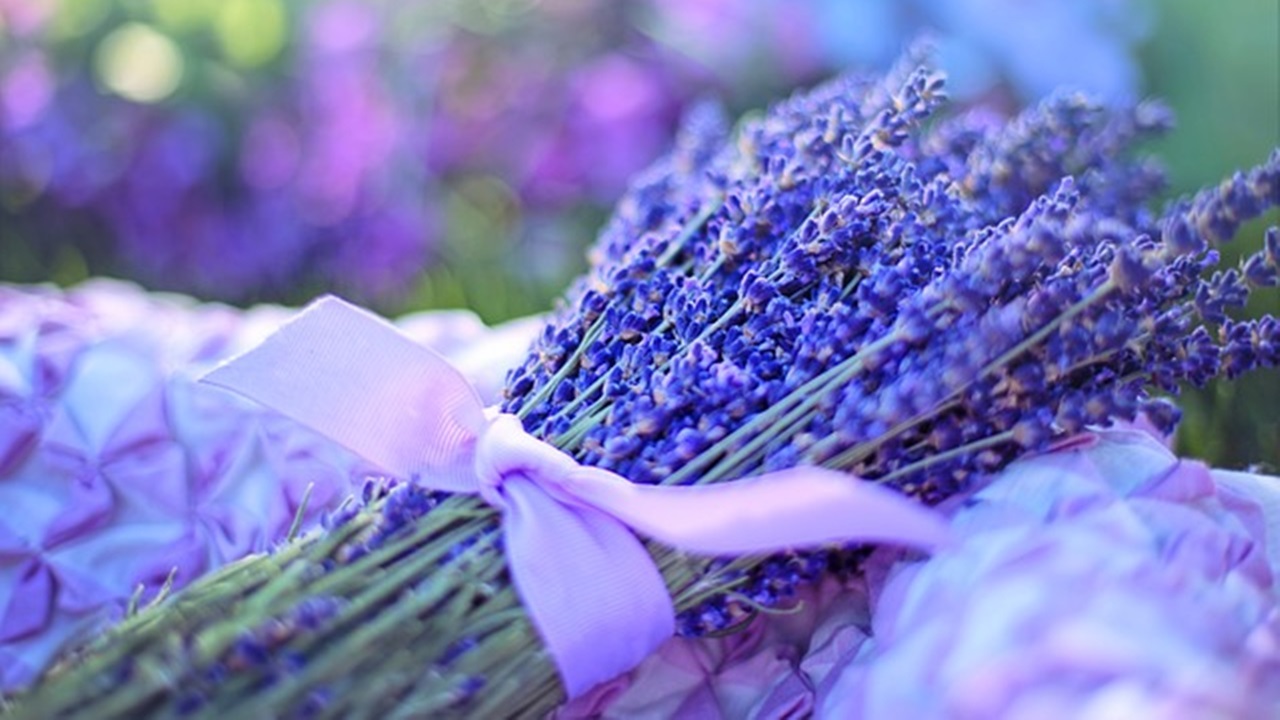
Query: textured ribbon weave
x=589, y=586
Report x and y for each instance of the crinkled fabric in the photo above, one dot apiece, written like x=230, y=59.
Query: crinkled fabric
x=117, y=468
x=771, y=669
x=1104, y=579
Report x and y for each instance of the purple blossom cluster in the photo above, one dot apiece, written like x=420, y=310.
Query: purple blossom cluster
x=863, y=281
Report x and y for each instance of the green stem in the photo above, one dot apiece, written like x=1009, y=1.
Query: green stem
x=934, y=459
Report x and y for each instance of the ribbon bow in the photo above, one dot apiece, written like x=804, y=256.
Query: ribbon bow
x=591, y=589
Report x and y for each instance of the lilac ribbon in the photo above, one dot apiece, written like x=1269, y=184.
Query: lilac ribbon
x=590, y=587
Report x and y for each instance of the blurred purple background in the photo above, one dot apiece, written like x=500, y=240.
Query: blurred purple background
x=261, y=149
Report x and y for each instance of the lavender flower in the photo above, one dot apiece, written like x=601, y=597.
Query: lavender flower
x=841, y=285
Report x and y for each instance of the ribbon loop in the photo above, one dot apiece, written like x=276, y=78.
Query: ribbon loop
x=356, y=379
x=591, y=589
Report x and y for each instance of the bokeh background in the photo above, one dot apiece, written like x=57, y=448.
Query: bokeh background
x=462, y=153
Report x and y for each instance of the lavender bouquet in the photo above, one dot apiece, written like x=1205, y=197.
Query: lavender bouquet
x=853, y=281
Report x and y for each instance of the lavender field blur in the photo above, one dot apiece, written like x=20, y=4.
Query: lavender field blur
x=462, y=154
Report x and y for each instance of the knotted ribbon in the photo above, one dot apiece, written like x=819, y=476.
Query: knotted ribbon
x=590, y=587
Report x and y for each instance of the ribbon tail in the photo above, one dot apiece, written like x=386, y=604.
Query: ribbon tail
x=795, y=508
x=589, y=585
x=356, y=379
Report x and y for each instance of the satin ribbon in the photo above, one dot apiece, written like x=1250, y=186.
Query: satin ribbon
x=591, y=589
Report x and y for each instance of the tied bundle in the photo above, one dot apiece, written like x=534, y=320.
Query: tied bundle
x=861, y=282
x=854, y=281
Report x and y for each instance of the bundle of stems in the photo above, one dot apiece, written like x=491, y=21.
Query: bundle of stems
x=401, y=609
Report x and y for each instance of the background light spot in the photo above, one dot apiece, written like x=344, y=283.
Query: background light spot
x=139, y=63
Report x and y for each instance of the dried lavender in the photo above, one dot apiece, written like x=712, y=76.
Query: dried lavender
x=858, y=283
x=853, y=281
